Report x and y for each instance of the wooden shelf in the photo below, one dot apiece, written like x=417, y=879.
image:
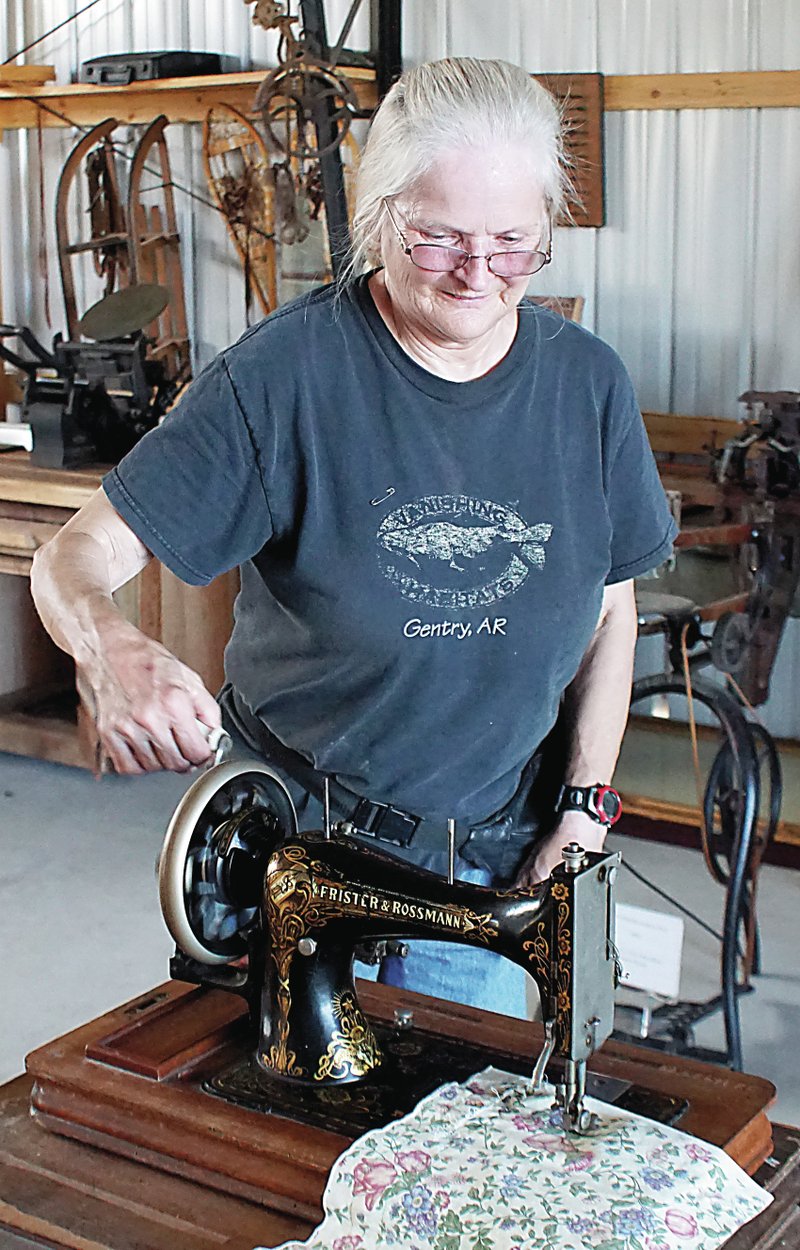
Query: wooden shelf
x=750, y=89
x=189, y=99
x=671, y=809
x=51, y=738
x=670, y=813
x=20, y=76
x=179, y=99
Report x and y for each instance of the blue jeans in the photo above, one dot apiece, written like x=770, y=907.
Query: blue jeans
x=461, y=974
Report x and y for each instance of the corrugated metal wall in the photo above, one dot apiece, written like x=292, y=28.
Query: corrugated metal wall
x=696, y=277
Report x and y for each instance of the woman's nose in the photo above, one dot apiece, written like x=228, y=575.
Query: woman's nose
x=476, y=274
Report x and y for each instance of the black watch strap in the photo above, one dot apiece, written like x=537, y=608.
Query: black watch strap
x=601, y=803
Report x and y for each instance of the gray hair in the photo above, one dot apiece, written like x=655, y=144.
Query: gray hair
x=441, y=106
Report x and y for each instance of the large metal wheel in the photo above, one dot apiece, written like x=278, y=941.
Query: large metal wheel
x=213, y=857
x=733, y=788
x=722, y=811
x=724, y=796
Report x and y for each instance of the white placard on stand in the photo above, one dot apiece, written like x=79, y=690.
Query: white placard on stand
x=650, y=945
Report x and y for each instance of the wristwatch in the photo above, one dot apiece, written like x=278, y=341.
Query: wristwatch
x=600, y=802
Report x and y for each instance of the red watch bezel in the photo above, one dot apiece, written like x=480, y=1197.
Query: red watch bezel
x=597, y=794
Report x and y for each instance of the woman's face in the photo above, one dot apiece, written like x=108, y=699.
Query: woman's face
x=481, y=200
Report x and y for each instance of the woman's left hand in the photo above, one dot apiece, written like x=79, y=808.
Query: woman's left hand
x=573, y=827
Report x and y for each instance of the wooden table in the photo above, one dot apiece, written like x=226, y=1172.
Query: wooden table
x=39, y=712
x=56, y=1192
x=72, y=1194
x=60, y=1193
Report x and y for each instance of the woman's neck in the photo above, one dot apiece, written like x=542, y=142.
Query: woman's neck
x=455, y=362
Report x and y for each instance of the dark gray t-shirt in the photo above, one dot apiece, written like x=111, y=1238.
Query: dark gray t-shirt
x=423, y=561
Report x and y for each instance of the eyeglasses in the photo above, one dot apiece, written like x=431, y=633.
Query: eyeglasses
x=439, y=258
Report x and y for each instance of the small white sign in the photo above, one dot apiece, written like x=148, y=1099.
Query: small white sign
x=650, y=945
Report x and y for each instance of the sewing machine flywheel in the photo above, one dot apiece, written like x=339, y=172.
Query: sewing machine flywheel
x=214, y=853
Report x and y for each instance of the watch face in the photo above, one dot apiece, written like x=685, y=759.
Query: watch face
x=608, y=804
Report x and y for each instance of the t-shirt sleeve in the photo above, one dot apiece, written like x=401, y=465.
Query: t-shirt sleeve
x=192, y=490
x=643, y=529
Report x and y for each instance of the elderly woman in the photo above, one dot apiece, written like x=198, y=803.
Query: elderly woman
x=438, y=494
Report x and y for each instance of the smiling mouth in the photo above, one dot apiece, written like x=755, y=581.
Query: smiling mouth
x=466, y=299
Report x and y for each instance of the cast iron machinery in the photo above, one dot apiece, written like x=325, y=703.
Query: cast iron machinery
x=278, y=916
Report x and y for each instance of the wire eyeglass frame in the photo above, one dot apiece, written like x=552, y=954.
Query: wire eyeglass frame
x=541, y=258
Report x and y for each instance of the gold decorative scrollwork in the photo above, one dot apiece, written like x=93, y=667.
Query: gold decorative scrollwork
x=563, y=986
x=477, y=928
x=291, y=908
x=353, y=1049
x=283, y=1060
x=538, y=952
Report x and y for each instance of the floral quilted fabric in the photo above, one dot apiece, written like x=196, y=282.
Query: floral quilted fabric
x=486, y=1166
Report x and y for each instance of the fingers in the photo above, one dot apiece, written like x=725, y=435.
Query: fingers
x=175, y=721
x=527, y=879
x=114, y=750
x=132, y=751
x=206, y=708
x=200, y=741
x=193, y=743
x=532, y=874
x=151, y=711
x=167, y=737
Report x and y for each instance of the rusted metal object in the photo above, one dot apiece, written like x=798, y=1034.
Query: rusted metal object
x=130, y=243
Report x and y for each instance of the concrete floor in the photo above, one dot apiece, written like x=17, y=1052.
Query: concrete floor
x=82, y=932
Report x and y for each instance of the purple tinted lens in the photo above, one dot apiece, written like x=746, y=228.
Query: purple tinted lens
x=434, y=256
x=439, y=259
x=517, y=264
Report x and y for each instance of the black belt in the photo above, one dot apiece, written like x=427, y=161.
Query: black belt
x=378, y=820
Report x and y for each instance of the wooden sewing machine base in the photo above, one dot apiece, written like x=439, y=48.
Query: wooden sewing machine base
x=132, y=1083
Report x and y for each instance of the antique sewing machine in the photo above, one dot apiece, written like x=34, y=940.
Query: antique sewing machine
x=277, y=916
x=249, y=1072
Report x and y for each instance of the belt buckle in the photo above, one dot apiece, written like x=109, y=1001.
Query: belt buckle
x=387, y=823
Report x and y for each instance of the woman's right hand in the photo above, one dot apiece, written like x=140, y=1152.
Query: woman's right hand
x=149, y=708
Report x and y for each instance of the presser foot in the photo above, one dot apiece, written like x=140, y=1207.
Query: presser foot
x=570, y=1093
x=577, y=1119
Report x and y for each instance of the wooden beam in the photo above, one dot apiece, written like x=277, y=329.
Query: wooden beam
x=180, y=99
x=631, y=781
x=750, y=89
x=687, y=814
x=44, y=737
x=23, y=482
x=10, y=389
x=681, y=435
x=21, y=76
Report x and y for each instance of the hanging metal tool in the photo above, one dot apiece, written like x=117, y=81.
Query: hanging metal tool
x=307, y=107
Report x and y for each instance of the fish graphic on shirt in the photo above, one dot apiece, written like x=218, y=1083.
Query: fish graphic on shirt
x=449, y=542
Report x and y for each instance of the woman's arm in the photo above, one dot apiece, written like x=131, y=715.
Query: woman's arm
x=145, y=703
x=596, y=710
